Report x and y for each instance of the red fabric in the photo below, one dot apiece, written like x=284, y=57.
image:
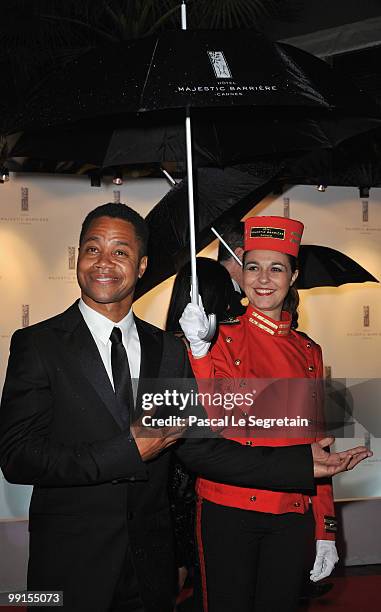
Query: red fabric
x=247, y=351
x=201, y=556
x=273, y=234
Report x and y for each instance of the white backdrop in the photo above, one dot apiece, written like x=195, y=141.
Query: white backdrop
x=40, y=218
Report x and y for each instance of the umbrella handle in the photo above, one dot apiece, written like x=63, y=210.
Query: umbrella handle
x=210, y=332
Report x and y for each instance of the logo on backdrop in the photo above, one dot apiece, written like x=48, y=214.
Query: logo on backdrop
x=25, y=315
x=24, y=198
x=65, y=276
x=366, y=222
x=365, y=211
x=71, y=257
x=286, y=207
x=366, y=319
x=220, y=65
x=366, y=324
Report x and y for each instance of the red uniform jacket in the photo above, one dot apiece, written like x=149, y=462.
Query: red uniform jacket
x=287, y=368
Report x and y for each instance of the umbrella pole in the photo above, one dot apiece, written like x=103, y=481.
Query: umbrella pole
x=188, y=141
x=208, y=335
x=227, y=247
x=212, y=319
x=192, y=234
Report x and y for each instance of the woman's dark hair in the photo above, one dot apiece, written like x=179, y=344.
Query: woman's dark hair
x=214, y=285
x=291, y=301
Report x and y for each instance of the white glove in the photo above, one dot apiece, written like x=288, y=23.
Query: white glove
x=325, y=561
x=194, y=324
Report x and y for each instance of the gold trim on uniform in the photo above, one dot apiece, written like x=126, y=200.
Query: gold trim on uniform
x=270, y=326
x=262, y=318
x=269, y=331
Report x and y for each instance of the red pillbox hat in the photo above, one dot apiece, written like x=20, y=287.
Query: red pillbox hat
x=273, y=234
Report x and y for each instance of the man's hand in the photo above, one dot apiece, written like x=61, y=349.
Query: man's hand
x=329, y=464
x=152, y=440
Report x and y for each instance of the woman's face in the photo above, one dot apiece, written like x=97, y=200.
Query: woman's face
x=267, y=277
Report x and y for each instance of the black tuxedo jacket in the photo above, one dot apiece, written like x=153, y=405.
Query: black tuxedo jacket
x=93, y=495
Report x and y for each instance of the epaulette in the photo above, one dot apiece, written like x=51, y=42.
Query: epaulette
x=306, y=336
x=230, y=321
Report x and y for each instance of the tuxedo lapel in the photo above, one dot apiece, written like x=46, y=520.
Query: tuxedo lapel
x=82, y=347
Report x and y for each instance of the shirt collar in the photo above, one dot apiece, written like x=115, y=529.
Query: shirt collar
x=236, y=286
x=269, y=325
x=100, y=326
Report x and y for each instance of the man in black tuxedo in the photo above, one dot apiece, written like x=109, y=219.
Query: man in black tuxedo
x=100, y=528
x=234, y=238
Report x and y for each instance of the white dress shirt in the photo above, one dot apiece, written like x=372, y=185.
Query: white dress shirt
x=101, y=328
x=236, y=286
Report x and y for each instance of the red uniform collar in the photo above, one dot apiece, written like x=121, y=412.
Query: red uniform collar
x=267, y=324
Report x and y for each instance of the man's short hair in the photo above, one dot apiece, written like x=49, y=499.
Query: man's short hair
x=234, y=238
x=119, y=211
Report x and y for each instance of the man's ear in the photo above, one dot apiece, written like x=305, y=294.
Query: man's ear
x=239, y=252
x=294, y=277
x=143, y=265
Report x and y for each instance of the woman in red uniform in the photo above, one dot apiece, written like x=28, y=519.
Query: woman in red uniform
x=252, y=542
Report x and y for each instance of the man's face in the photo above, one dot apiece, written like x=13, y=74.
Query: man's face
x=109, y=264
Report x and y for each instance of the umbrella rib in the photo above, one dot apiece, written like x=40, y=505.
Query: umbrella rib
x=148, y=71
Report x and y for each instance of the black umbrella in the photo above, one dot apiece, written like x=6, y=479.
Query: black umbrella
x=282, y=79
x=355, y=162
x=218, y=140
x=321, y=266
x=225, y=195
x=179, y=70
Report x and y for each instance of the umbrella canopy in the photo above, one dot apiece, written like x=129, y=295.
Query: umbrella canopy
x=218, y=140
x=290, y=102
x=200, y=68
x=321, y=266
x=354, y=162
